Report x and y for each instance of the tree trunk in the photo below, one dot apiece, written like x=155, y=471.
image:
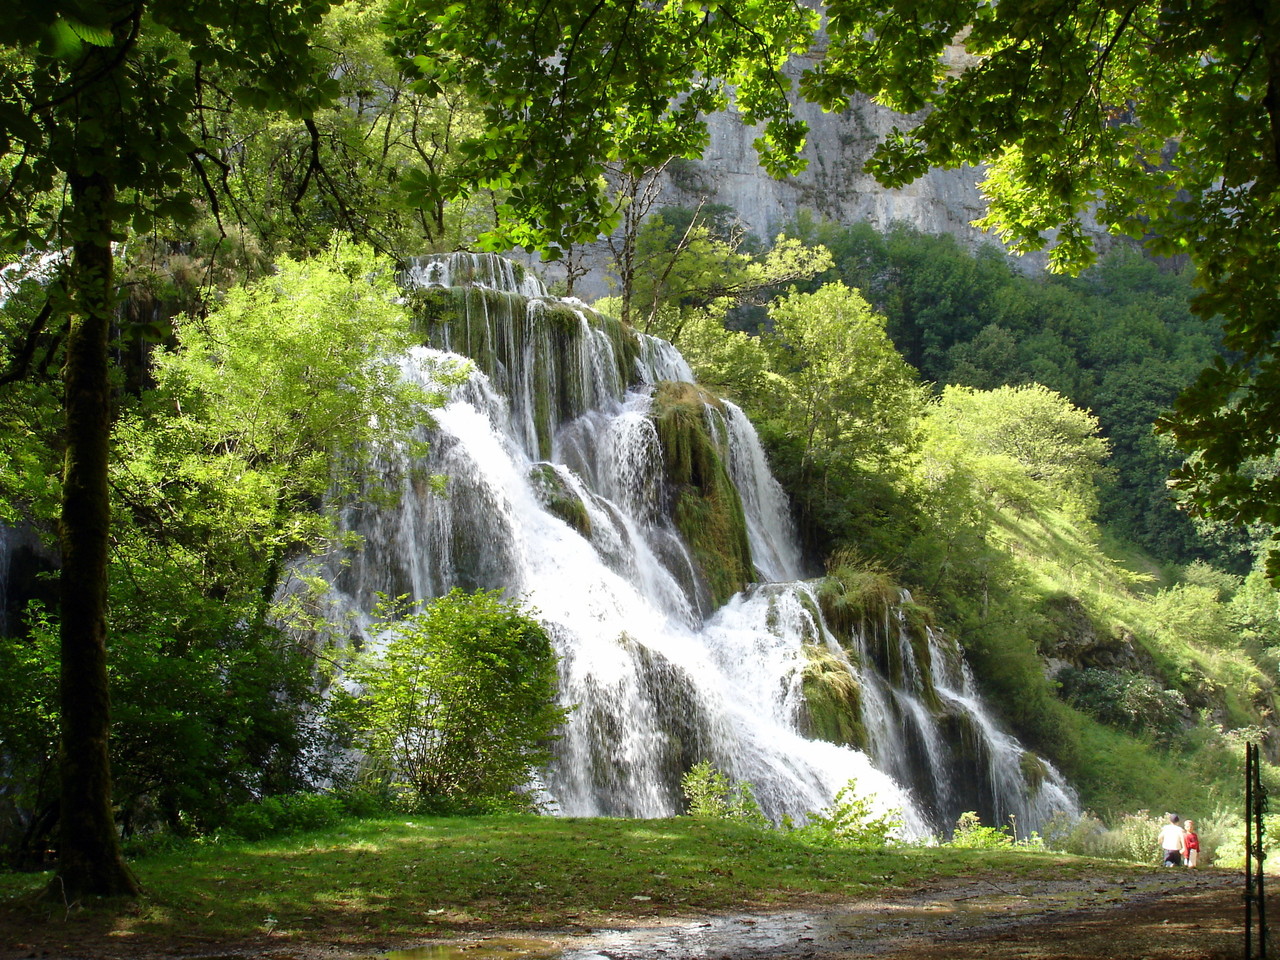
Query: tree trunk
x=89, y=858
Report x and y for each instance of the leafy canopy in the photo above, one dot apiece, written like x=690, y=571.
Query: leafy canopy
x=1157, y=120
x=568, y=87
x=1053, y=442
x=125, y=87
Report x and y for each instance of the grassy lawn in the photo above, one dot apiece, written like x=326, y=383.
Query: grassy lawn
x=417, y=877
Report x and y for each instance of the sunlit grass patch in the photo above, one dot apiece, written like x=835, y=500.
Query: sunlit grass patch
x=404, y=880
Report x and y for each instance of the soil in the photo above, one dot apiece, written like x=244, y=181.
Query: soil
x=1169, y=914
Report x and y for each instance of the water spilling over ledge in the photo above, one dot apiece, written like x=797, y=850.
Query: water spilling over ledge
x=589, y=475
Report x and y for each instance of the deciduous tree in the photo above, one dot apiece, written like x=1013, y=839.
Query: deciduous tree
x=1054, y=443
x=1158, y=120
x=568, y=87
x=457, y=706
x=101, y=103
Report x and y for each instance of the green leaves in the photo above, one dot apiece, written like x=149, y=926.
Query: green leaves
x=456, y=704
x=66, y=37
x=571, y=88
x=1156, y=121
x=712, y=796
x=1055, y=443
x=844, y=388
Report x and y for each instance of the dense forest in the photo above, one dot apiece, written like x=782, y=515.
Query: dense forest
x=986, y=439
x=207, y=213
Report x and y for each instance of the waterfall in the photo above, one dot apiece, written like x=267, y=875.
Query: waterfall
x=588, y=475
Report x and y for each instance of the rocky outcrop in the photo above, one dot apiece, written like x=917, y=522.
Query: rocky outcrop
x=1078, y=644
x=833, y=186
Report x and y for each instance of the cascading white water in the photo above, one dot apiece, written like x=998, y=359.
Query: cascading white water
x=660, y=680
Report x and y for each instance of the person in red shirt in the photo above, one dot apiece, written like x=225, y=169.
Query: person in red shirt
x=1191, y=845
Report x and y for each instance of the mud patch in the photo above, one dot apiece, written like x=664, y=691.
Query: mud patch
x=1164, y=916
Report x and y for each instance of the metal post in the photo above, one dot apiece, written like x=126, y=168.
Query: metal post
x=1248, y=851
x=1260, y=803
x=1255, y=805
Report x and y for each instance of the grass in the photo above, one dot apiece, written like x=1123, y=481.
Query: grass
x=418, y=877
x=1183, y=639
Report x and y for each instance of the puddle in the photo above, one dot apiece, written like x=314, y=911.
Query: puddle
x=505, y=948
x=794, y=934
x=869, y=928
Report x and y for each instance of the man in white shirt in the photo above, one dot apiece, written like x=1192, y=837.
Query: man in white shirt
x=1172, y=837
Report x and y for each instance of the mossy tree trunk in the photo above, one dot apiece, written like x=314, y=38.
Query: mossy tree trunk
x=89, y=860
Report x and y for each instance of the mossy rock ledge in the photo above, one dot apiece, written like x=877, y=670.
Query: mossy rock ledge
x=706, y=507
x=859, y=603
x=559, y=499
x=832, y=708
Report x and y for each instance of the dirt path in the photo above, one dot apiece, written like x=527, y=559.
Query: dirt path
x=1163, y=915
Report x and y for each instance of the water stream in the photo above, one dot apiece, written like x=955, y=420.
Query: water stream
x=557, y=492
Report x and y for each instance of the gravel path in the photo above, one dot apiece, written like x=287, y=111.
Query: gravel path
x=1162, y=915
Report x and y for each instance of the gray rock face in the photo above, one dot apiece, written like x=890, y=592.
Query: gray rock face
x=834, y=185
x=1077, y=643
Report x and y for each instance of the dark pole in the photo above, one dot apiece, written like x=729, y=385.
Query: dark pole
x=1248, y=851
x=1255, y=805
x=1260, y=802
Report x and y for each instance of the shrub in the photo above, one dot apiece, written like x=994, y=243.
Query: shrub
x=1123, y=698
x=458, y=706
x=1077, y=835
x=970, y=833
x=293, y=813
x=710, y=794
x=850, y=821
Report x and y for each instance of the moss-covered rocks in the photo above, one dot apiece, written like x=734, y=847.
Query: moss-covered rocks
x=559, y=498
x=832, y=708
x=706, y=507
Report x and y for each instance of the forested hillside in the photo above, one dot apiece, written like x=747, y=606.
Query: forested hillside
x=210, y=354
x=986, y=439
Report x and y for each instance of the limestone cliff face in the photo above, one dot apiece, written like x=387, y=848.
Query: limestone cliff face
x=834, y=185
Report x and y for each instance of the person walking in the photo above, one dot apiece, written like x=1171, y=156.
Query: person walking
x=1171, y=841
x=1191, y=845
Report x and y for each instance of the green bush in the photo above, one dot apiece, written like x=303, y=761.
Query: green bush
x=1125, y=699
x=272, y=816
x=710, y=794
x=1134, y=836
x=458, y=706
x=850, y=821
x=971, y=834
x=1222, y=839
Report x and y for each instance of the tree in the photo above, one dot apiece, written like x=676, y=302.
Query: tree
x=842, y=385
x=107, y=99
x=1160, y=121
x=1055, y=443
x=283, y=393
x=836, y=406
x=264, y=413
x=676, y=275
x=455, y=704
x=294, y=182
x=568, y=88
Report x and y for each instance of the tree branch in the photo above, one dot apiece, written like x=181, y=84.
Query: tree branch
x=20, y=362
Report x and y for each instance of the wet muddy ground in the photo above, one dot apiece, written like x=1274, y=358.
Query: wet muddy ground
x=1169, y=915
x=1164, y=915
